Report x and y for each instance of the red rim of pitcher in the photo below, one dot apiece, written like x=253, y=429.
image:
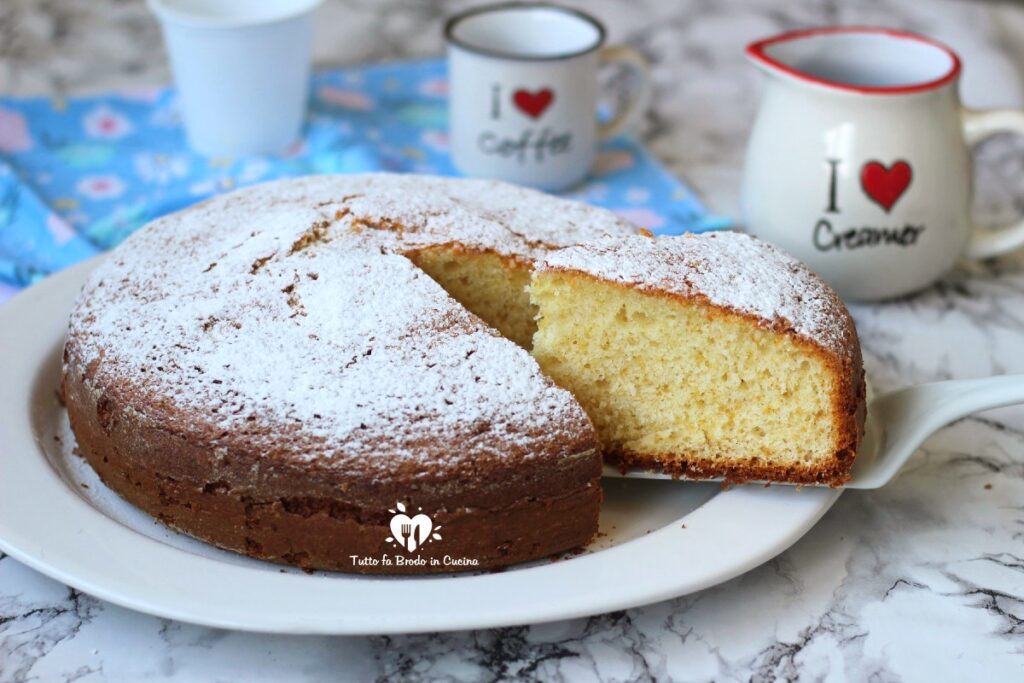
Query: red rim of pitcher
x=756, y=51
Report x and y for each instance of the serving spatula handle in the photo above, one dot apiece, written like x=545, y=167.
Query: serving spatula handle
x=904, y=418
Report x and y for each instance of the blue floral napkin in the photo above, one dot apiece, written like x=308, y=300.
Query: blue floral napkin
x=79, y=175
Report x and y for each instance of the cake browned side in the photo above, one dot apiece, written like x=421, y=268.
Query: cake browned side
x=265, y=374
x=220, y=490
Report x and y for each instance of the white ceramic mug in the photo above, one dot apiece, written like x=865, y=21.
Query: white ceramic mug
x=859, y=162
x=523, y=92
x=242, y=69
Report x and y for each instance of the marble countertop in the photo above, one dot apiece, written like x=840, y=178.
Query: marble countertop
x=920, y=581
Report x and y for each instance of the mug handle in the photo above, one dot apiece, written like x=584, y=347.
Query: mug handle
x=633, y=60
x=979, y=125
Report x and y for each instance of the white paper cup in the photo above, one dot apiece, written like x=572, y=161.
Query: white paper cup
x=242, y=69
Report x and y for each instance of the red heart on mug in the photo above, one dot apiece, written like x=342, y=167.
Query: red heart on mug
x=533, y=103
x=885, y=186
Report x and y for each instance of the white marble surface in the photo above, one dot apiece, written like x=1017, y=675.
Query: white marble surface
x=920, y=581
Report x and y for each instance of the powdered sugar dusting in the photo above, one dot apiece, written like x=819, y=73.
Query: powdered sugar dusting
x=422, y=211
x=727, y=269
x=270, y=312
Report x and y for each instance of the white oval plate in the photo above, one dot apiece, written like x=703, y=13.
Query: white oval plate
x=659, y=539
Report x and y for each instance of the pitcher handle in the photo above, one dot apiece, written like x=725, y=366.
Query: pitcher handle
x=979, y=125
x=623, y=54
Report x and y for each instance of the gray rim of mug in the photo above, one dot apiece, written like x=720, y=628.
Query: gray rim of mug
x=454, y=21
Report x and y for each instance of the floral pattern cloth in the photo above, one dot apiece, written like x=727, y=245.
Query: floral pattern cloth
x=77, y=176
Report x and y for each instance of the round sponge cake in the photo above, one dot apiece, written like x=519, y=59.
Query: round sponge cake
x=273, y=372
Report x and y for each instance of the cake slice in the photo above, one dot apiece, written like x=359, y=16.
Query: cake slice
x=704, y=356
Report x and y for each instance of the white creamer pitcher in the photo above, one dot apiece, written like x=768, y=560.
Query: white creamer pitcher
x=859, y=162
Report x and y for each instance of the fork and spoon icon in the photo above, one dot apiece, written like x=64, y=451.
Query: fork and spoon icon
x=411, y=532
x=407, y=538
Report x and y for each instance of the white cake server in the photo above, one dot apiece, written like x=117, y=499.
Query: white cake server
x=898, y=422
